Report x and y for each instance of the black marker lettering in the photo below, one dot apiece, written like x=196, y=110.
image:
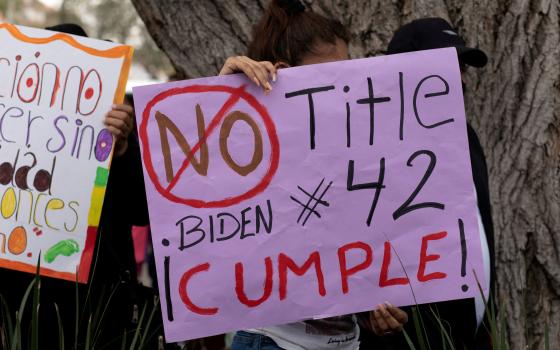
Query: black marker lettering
x=260, y=217
x=406, y=207
x=433, y=94
x=378, y=186
x=168, y=301
x=348, y=131
x=371, y=100
x=196, y=228
x=464, y=287
x=245, y=222
x=401, y=89
x=211, y=219
x=309, y=93
x=222, y=226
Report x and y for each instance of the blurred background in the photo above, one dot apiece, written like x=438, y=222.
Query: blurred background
x=116, y=20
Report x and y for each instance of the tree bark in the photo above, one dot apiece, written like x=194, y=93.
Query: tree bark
x=513, y=103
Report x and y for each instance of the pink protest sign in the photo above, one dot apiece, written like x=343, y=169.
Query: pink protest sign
x=348, y=185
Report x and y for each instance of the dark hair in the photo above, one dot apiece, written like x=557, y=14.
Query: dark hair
x=287, y=31
x=68, y=28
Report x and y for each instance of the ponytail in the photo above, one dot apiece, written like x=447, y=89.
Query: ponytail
x=288, y=30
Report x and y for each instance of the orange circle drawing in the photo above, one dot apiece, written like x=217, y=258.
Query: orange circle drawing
x=17, y=243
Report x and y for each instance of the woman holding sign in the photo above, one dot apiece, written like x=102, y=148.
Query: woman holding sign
x=113, y=272
x=290, y=35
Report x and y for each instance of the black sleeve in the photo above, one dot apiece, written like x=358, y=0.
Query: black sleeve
x=137, y=190
x=126, y=191
x=480, y=177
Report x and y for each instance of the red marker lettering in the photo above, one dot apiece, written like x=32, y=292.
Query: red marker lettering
x=384, y=280
x=346, y=272
x=240, y=284
x=184, y=293
x=285, y=263
x=424, y=258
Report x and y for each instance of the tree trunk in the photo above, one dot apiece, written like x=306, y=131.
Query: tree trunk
x=513, y=104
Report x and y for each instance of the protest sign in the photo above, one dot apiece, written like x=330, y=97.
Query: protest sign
x=348, y=185
x=54, y=148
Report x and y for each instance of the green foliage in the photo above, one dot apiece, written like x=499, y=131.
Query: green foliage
x=118, y=21
x=11, y=326
x=60, y=329
x=115, y=20
x=15, y=338
x=420, y=329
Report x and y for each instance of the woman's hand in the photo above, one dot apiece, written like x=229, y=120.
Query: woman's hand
x=387, y=319
x=259, y=72
x=120, y=123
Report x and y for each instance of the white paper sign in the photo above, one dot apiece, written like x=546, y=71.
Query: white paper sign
x=55, y=151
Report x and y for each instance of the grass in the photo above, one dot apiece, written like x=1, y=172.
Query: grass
x=12, y=325
x=494, y=323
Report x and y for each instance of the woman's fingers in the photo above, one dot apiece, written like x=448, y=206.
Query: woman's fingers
x=258, y=72
x=398, y=314
x=229, y=67
x=270, y=68
x=117, y=123
x=247, y=68
x=379, y=322
x=387, y=319
x=391, y=322
x=236, y=65
x=374, y=324
x=115, y=131
x=119, y=120
x=261, y=75
x=118, y=115
x=123, y=108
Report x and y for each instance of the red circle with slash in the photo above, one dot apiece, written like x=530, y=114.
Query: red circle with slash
x=236, y=94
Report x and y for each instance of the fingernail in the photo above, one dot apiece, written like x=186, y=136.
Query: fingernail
x=388, y=304
x=256, y=81
x=274, y=77
x=268, y=86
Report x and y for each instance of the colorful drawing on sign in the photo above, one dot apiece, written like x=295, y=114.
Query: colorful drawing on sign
x=55, y=150
x=347, y=186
